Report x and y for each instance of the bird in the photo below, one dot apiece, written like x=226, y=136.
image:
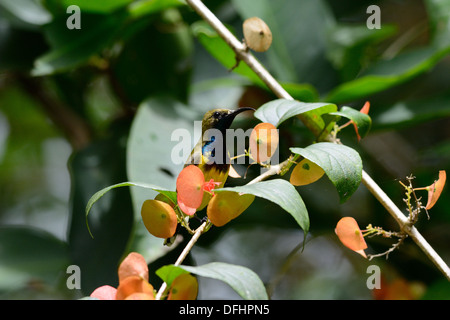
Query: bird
x=210, y=153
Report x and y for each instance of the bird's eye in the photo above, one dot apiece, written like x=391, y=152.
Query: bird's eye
x=216, y=114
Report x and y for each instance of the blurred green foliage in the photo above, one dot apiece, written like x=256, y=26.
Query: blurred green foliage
x=86, y=108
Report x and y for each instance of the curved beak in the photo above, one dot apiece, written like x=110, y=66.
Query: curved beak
x=226, y=121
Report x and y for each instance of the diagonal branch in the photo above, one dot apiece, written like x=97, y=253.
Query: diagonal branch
x=266, y=77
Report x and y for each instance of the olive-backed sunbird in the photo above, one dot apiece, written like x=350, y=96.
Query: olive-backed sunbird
x=210, y=153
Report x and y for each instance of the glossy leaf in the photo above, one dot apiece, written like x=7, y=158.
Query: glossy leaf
x=342, y=165
x=243, y=280
x=279, y=110
x=361, y=121
x=103, y=191
x=280, y=192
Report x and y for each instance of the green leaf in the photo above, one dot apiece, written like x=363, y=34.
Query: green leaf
x=104, y=6
x=342, y=165
x=166, y=70
x=301, y=91
x=169, y=273
x=363, y=121
x=219, y=49
x=101, y=193
x=243, y=280
x=28, y=12
x=152, y=140
x=349, y=45
x=100, y=164
x=280, y=192
x=279, y=110
x=28, y=254
x=388, y=73
x=299, y=29
x=408, y=113
x=146, y=7
x=72, y=48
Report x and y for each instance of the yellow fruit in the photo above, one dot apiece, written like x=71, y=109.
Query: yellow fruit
x=306, y=172
x=159, y=218
x=184, y=287
x=132, y=285
x=263, y=142
x=226, y=206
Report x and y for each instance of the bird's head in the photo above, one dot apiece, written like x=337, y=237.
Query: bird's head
x=220, y=119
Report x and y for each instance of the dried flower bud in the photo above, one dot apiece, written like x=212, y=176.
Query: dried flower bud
x=257, y=34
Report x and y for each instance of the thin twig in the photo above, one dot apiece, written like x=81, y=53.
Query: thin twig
x=239, y=48
x=183, y=255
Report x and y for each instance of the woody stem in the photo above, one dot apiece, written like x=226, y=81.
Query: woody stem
x=244, y=55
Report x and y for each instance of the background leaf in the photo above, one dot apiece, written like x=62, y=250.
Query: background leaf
x=342, y=165
x=111, y=219
x=29, y=255
x=149, y=159
x=71, y=48
x=295, y=24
